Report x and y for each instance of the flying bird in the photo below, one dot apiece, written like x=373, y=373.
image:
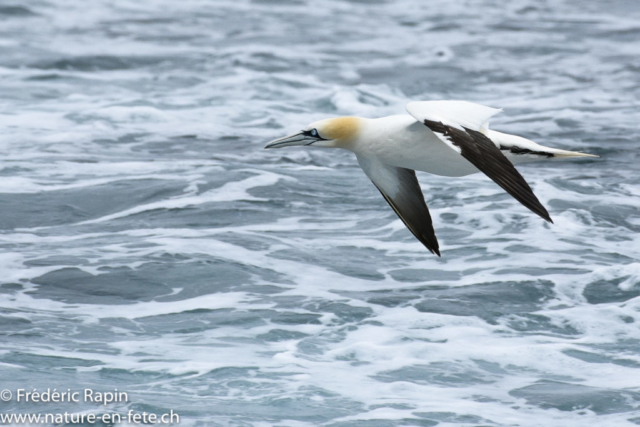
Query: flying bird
x=447, y=138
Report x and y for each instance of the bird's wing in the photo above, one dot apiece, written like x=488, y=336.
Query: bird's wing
x=400, y=188
x=461, y=125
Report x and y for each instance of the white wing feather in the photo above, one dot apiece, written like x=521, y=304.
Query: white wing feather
x=458, y=114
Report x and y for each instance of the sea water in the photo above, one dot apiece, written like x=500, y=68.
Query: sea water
x=151, y=247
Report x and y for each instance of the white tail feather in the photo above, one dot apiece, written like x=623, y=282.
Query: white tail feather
x=453, y=113
x=506, y=141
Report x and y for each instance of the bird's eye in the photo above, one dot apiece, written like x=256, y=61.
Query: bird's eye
x=314, y=132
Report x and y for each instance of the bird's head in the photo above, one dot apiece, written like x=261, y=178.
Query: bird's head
x=330, y=133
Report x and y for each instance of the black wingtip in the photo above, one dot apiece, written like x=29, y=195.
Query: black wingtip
x=435, y=250
x=431, y=244
x=542, y=212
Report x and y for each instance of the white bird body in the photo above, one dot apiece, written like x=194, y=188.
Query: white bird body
x=447, y=138
x=403, y=142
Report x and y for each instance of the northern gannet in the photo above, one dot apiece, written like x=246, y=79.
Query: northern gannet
x=447, y=138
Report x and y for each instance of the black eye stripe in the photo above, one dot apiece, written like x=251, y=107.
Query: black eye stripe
x=312, y=133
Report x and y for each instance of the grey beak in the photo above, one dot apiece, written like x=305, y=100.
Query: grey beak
x=291, y=141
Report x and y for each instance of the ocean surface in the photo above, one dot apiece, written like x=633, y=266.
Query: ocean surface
x=150, y=245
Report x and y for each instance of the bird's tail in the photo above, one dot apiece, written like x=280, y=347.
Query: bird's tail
x=564, y=153
x=522, y=149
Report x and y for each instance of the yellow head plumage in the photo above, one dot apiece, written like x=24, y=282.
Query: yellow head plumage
x=339, y=132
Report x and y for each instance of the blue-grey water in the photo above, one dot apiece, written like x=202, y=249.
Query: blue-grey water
x=149, y=244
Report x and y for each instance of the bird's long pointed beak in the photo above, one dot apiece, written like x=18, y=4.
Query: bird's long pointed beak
x=290, y=141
